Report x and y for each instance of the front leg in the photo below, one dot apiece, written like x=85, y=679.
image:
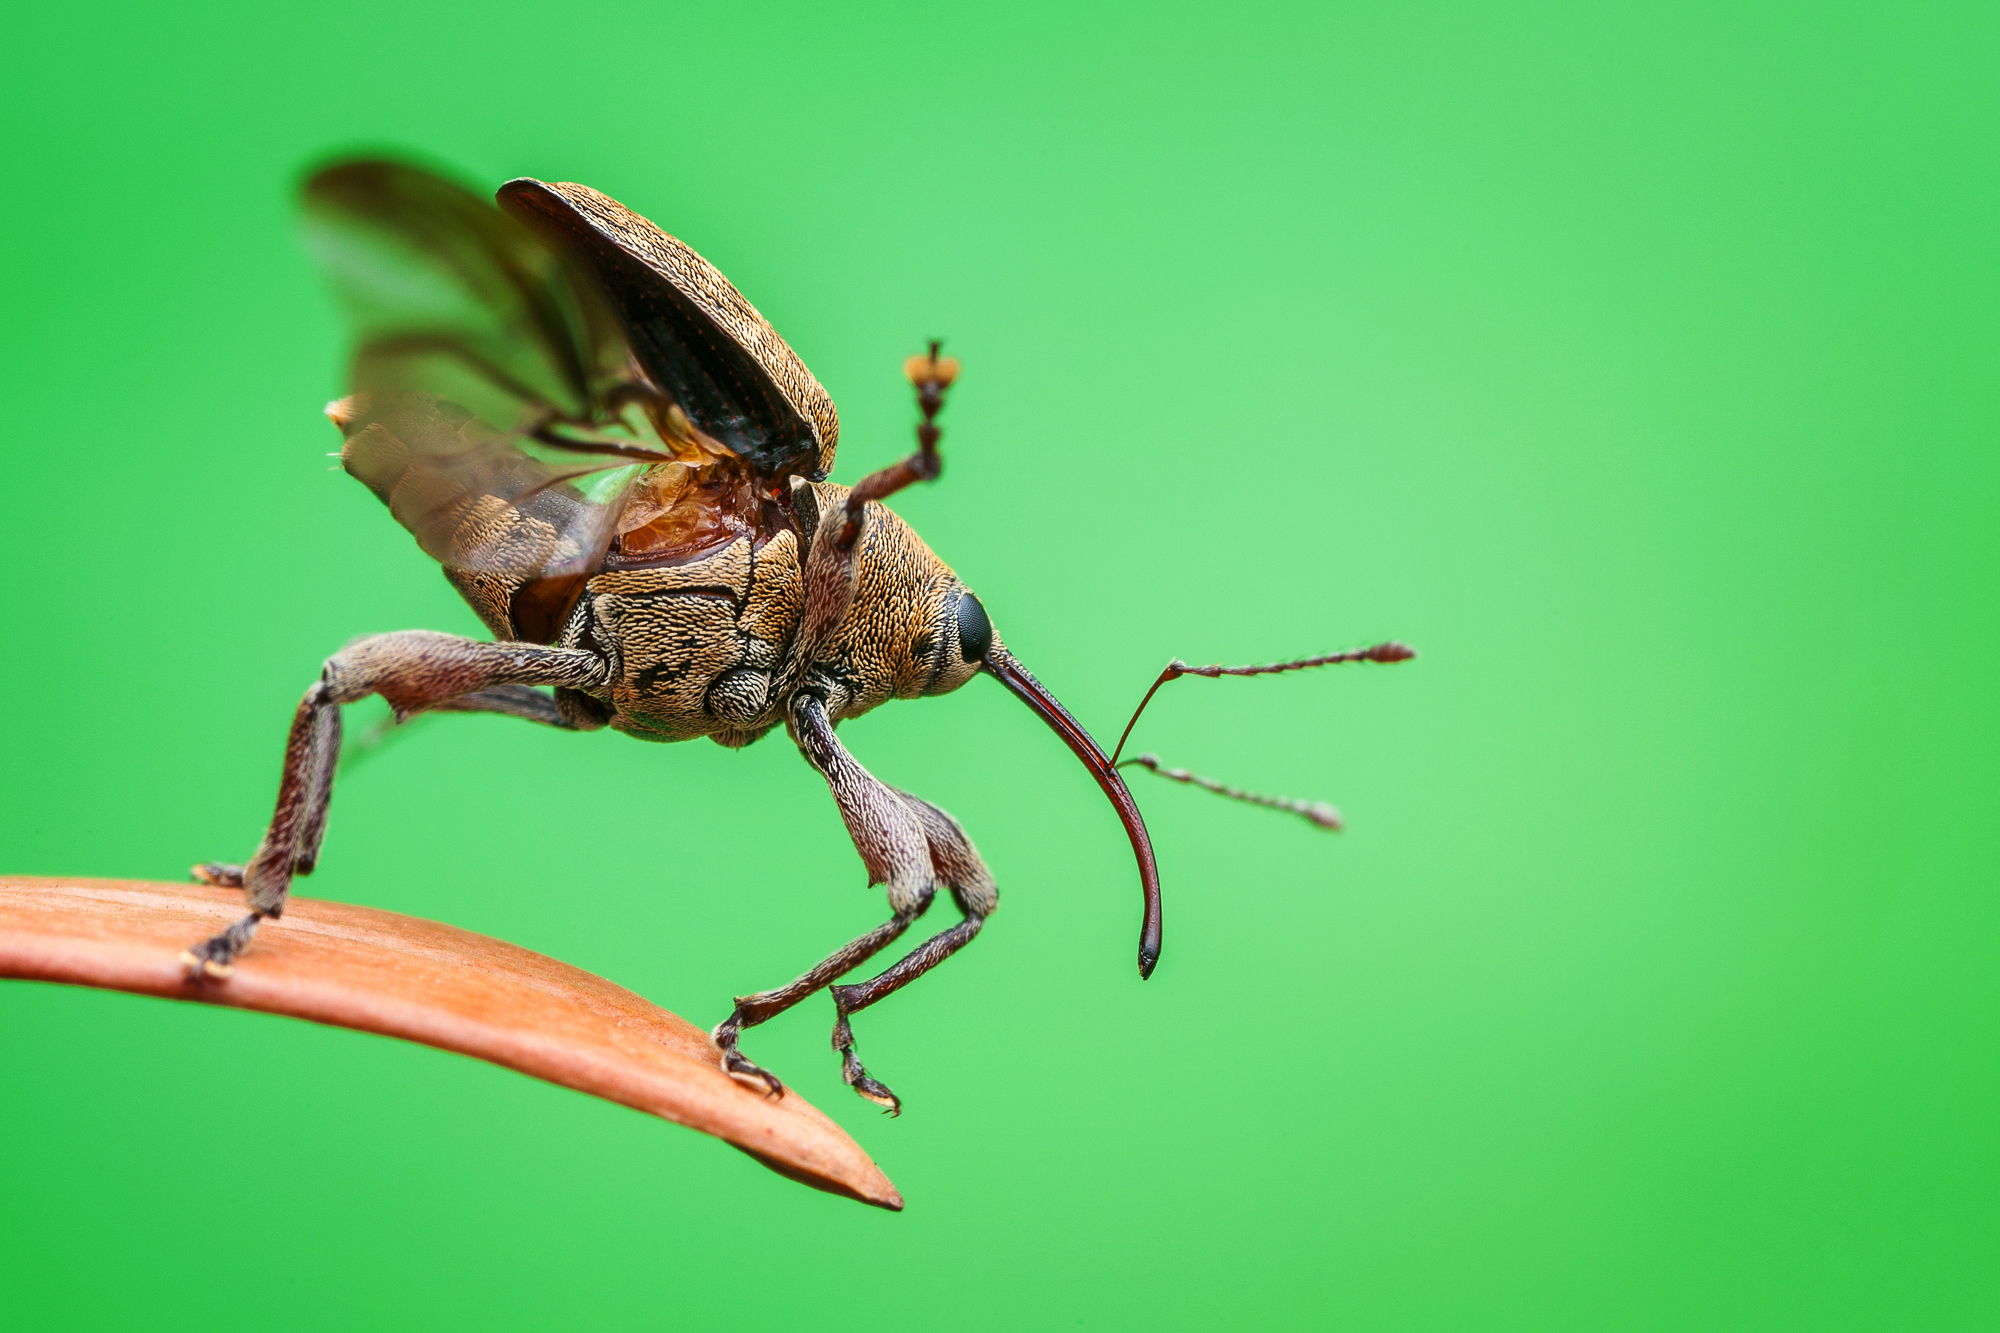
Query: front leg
x=767, y=1005
x=885, y=824
x=414, y=670
x=890, y=837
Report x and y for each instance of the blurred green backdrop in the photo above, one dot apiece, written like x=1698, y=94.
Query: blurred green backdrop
x=1636, y=363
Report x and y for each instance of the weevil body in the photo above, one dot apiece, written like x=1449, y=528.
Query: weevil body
x=622, y=468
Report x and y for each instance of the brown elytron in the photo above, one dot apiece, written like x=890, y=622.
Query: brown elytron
x=622, y=468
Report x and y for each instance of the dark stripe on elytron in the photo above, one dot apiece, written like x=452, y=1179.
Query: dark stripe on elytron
x=715, y=379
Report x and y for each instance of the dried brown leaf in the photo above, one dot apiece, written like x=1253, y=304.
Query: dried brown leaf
x=375, y=971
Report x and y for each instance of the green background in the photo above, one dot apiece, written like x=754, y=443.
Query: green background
x=1635, y=363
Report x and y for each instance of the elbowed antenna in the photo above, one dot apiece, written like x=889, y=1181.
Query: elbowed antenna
x=1001, y=664
x=1381, y=652
x=1319, y=812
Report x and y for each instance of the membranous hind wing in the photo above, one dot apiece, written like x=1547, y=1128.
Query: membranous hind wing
x=755, y=415
x=494, y=404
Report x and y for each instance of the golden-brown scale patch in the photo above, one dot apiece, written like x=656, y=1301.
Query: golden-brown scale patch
x=679, y=628
x=491, y=597
x=771, y=608
x=728, y=569
x=902, y=586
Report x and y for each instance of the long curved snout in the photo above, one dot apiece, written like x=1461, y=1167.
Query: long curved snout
x=1001, y=664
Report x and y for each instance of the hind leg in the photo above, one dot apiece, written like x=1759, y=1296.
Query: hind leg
x=412, y=669
x=572, y=713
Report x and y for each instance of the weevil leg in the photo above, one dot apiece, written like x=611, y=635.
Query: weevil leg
x=831, y=566
x=522, y=701
x=891, y=841
x=525, y=702
x=848, y=1000
x=569, y=710
x=931, y=375
x=414, y=670
x=766, y=1005
x=323, y=756
x=905, y=842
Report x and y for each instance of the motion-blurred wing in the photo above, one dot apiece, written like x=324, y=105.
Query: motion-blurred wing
x=516, y=535
x=489, y=406
x=695, y=336
x=444, y=287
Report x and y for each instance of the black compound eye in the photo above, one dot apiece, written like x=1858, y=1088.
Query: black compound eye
x=975, y=631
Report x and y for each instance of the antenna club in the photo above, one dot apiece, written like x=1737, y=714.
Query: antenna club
x=1324, y=815
x=930, y=368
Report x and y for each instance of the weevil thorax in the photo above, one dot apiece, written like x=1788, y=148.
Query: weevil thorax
x=912, y=629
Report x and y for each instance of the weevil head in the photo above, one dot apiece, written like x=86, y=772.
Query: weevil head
x=915, y=629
